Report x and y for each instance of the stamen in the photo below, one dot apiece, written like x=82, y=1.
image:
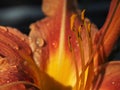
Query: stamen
x=101, y=39
x=85, y=80
x=90, y=75
x=82, y=79
x=89, y=29
x=72, y=19
x=89, y=67
x=75, y=62
x=80, y=82
x=79, y=32
x=83, y=14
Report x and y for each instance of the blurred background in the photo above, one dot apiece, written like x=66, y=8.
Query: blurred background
x=21, y=13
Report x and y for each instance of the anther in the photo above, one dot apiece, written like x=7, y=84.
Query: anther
x=79, y=29
x=89, y=28
x=72, y=20
x=83, y=14
x=79, y=32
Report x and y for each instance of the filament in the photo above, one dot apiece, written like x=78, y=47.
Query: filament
x=72, y=20
x=75, y=62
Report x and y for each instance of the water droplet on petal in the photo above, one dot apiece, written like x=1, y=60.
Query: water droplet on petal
x=25, y=63
x=113, y=83
x=40, y=42
x=16, y=47
x=48, y=24
x=22, y=38
x=54, y=44
x=77, y=45
x=38, y=51
x=4, y=29
x=8, y=81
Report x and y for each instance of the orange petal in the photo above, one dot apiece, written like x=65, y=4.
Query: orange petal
x=49, y=43
x=16, y=63
x=51, y=53
x=109, y=77
x=51, y=8
x=109, y=33
x=114, y=29
x=111, y=28
x=21, y=85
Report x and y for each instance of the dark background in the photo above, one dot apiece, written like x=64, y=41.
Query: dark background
x=21, y=13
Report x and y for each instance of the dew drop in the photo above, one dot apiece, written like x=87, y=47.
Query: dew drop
x=4, y=29
x=25, y=63
x=16, y=47
x=39, y=51
x=54, y=44
x=113, y=82
x=40, y=42
x=8, y=81
x=22, y=38
x=48, y=24
x=77, y=45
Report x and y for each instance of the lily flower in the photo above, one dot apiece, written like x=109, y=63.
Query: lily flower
x=68, y=47
x=64, y=51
